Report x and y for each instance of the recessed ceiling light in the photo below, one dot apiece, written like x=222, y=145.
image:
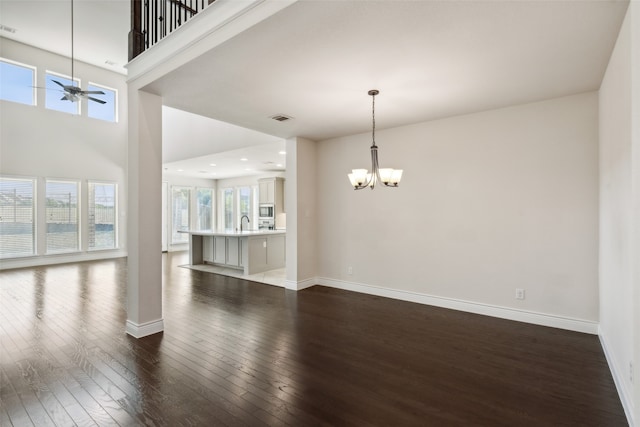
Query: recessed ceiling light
x=282, y=152
x=279, y=165
x=212, y=164
x=202, y=171
x=180, y=170
x=244, y=159
x=248, y=169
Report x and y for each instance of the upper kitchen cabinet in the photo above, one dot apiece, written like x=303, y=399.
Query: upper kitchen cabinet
x=271, y=190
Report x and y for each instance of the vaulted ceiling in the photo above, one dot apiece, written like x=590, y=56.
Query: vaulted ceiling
x=315, y=60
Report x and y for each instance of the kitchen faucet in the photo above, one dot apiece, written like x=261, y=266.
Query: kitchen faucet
x=243, y=217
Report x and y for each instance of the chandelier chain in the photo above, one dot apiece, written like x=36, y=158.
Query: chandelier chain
x=373, y=115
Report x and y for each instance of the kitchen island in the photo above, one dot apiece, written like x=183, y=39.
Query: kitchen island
x=252, y=251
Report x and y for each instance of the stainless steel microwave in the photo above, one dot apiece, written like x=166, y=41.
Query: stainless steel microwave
x=265, y=210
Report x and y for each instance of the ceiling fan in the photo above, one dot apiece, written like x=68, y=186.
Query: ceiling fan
x=74, y=93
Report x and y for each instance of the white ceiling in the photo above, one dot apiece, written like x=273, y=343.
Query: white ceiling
x=101, y=28
x=316, y=60
x=211, y=142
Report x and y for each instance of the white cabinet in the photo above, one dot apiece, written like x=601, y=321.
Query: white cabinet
x=220, y=249
x=226, y=250
x=207, y=248
x=258, y=253
x=266, y=190
x=252, y=252
x=233, y=251
x=271, y=190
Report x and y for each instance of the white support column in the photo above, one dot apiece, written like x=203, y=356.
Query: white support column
x=301, y=214
x=144, y=290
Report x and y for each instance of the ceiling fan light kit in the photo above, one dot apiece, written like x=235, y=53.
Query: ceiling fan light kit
x=362, y=178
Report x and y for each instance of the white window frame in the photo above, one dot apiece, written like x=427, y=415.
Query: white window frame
x=238, y=214
x=221, y=208
x=115, y=101
x=34, y=90
x=115, y=214
x=34, y=213
x=196, y=215
x=78, y=215
x=174, y=231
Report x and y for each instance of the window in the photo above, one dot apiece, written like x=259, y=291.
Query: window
x=204, y=209
x=107, y=111
x=227, y=203
x=180, y=200
x=62, y=211
x=102, y=216
x=244, y=203
x=256, y=202
x=17, y=82
x=17, y=217
x=55, y=98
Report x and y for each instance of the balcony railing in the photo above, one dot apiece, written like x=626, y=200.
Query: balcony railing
x=152, y=20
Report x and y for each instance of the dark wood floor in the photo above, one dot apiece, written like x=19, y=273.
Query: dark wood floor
x=242, y=353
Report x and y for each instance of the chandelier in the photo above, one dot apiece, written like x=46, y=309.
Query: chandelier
x=362, y=178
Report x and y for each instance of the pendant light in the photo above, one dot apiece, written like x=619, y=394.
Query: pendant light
x=362, y=178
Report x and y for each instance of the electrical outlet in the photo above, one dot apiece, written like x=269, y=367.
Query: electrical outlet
x=350, y=270
x=519, y=293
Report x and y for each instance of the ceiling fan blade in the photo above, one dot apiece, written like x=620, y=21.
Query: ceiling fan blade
x=93, y=92
x=97, y=100
x=57, y=82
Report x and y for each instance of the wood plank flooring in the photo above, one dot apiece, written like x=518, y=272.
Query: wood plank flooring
x=238, y=353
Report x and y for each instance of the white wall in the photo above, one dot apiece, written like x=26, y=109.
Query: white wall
x=489, y=202
x=43, y=143
x=619, y=187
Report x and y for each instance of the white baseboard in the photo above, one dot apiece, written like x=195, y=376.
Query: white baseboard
x=300, y=284
x=543, y=319
x=144, y=329
x=625, y=394
x=36, y=261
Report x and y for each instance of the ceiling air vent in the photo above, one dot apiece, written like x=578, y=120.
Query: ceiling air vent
x=281, y=117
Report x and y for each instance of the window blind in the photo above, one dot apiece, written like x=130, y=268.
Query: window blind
x=62, y=216
x=102, y=215
x=17, y=217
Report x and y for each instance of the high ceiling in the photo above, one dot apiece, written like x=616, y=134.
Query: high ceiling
x=315, y=60
x=101, y=28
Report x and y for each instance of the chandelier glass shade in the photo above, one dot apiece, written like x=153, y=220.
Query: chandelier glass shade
x=362, y=178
